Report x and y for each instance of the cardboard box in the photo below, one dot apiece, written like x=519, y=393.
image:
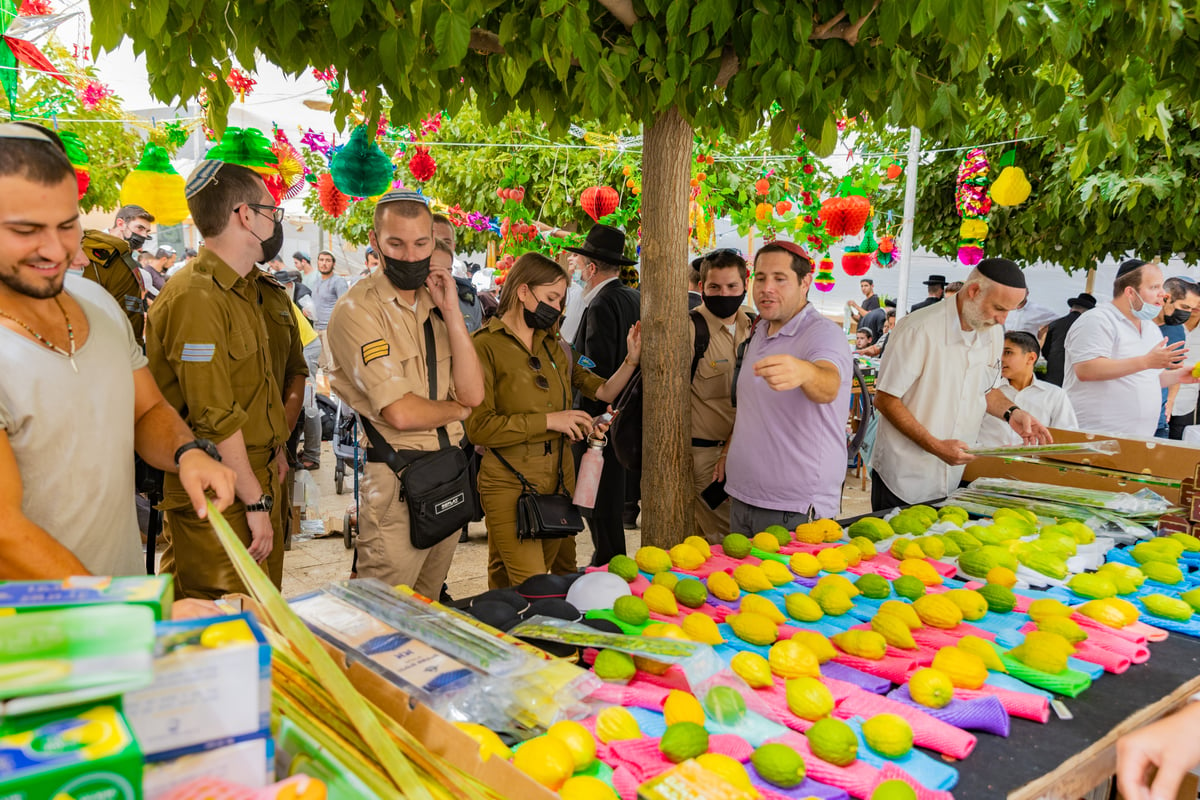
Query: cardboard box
x=155, y=591
x=250, y=764
x=82, y=752
x=202, y=698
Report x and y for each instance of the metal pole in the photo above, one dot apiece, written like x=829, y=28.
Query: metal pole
x=910, y=210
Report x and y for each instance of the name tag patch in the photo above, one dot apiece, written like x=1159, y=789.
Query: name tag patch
x=376, y=349
x=586, y=362
x=198, y=353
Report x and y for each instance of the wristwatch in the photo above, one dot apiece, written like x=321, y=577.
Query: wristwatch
x=1008, y=414
x=265, y=503
x=198, y=444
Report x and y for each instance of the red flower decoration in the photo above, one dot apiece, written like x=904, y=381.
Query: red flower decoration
x=421, y=165
x=35, y=8
x=333, y=201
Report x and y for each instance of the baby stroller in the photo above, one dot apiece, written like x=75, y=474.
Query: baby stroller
x=349, y=456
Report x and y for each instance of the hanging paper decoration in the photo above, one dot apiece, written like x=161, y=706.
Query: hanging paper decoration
x=93, y=94
x=241, y=83
x=290, y=166
x=18, y=33
x=421, y=165
x=334, y=202
x=157, y=187
x=34, y=8
x=973, y=204
x=77, y=155
x=824, y=277
x=856, y=264
x=361, y=168
x=889, y=250
x=315, y=142
x=599, y=201
x=894, y=171
x=1012, y=187
x=176, y=133
x=247, y=147
x=845, y=216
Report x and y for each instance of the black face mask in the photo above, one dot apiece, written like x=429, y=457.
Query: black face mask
x=136, y=240
x=1177, y=318
x=542, y=317
x=405, y=275
x=723, y=307
x=272, y=244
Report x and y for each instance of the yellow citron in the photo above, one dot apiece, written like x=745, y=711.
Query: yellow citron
x=914, y=551
x=920, y=569
x=585, y=787
x=766, y=542
x=1002, y=576
x=904, y=611
x=984, y=649
x=686, y=557
x=809, y=699
x=865, y=546
x=615, y=724
x=810, y=533
x=966, y=670
x=751, y=578
x=832, y=559
x=753, y=669
x=723, y=587
x=853, y=554
x=817, y=643
x=970, y=602
x=937, y=611
x=831, y=529
x=730, y=769
x=777, y=573
x=1048, y=607
x=756, y=604
x=805, y=565
x=1104, y=612
x=701, y=545
x=682, y=707
x=894, y=630
x=661, y=600
x=834, y=601
x=547, y=760
x=841, y=582
x=802, y=607
x=753, y=628
x=1126, y=608
x=864, y=644
x=791, y=659
x=931, y=687
x=579, y=741
x=489, y=743
x=701, y=628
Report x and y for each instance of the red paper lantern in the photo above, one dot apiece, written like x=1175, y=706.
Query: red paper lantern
x=333, y=201
x=421, y=165
x=856, y=264
x=599, y=201
x=845, y=216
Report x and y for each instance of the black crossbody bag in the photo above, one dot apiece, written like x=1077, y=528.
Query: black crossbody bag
x=436, y=485
x=545, y=516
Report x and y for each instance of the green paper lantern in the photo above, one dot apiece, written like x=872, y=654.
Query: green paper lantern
x=361, y=168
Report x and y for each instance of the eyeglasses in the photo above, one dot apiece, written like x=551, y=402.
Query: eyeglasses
x=276, y=211
x=539, y=380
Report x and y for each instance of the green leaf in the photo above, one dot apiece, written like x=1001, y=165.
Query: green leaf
x=677, y=16
x=451, y=36
x=155, y=17
x=343, y=14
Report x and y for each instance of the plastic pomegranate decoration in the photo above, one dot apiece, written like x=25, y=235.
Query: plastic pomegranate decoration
x=845, y=216
x=599, y=201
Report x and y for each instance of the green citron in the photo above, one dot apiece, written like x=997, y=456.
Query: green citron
x=631, y=610
x=725, y=704
x=834, y=741
x=801, y=607
x=778, y=765
x=963, y=539
x=624, y=567
x=874, y=586
x=894, y=790
x=909, y=587
x=682, y=741
x=872, y=528
x=781, y=533
x=691, y=593
x=889, y=735
x=1000, y=599
x=1064, y=627
x=1163, y=572
x=614, y=666
x=736, y=545
x=1190, y=543
x=1192, y=598
x=1161, y=605
x=1092, y=585
x=808, y=698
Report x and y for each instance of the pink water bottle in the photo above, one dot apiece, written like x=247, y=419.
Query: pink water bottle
x=590, y=467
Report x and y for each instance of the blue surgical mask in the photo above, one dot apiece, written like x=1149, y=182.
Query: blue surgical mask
x=1148, y=312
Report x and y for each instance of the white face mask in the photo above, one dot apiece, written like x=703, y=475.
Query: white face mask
x=1148, y=312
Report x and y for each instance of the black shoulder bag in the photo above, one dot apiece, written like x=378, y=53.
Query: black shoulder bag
x=436, y=485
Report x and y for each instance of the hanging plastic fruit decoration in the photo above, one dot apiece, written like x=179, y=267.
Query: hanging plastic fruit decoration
x=599, y=201
x=973, y=204
x=824, y=277
x=77, y=155
x=421, y=164
x=361, y=168
x=241, y=83
x=888, y=251
x=846, y=215
x=157, y=187
x=1012, y=187
x=894, y=171
x=856, y=260
x=334, y=202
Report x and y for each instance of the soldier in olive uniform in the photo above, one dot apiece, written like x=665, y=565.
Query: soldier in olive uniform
x=377, y=335
x=723, y=291
x=526, y=417
x=211, y=335
x=111, y=264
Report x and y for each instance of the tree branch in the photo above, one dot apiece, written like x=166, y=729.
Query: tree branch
x=729, y=67
x=840, y=28
x=622, y=10
x=485, y=42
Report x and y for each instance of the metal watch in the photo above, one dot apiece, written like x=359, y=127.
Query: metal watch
x=198, y=444
x=265, y=503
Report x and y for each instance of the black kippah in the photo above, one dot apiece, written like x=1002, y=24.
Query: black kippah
x=1003, y=272
x=1129, y=266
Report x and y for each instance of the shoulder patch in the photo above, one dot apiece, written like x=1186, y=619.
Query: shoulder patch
x=376, y=349
x=586, y=362
x=198, y=353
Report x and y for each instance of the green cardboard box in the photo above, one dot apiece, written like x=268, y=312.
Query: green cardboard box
x=154, y=591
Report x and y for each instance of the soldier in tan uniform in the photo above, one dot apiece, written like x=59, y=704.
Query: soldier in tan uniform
x=723, y=290
x=526, y=417
x=111, y=264
x=377, y=335
x=210, y=345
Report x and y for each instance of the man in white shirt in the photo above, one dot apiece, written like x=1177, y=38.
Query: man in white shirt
x=1118, y=361
x=574, y=304
x=937, y=380
x=1045, y=401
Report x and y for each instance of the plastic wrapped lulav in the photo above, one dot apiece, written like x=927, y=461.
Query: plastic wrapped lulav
x=1107, y=523
x=1109, y=447
x=1138, y=504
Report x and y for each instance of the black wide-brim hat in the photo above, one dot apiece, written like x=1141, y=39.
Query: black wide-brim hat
x=935, y=280
x=604, y=243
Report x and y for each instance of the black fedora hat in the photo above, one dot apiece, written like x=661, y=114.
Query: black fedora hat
x=604, y=243
x=1084, y=300
x=935, y=280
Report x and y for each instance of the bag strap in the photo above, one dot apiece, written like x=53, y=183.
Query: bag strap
x=431, y=370
x=524, y=483
x=741, y=356
x=702, y=337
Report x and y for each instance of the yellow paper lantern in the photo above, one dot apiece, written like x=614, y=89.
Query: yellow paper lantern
x=1011, y=188
x=973, y=228
x=157, y=187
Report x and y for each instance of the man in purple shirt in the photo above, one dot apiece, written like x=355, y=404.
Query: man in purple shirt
x=787, y=455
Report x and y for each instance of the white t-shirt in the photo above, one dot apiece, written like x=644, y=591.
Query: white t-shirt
x=1047, y=403
x=1189, y=393
x=942, y=374
x=1127, y=406
x=73, y=434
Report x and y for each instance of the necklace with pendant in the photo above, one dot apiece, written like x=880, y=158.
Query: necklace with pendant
x=70, y=354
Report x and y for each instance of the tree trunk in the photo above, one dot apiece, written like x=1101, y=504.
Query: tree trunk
x=667, y=489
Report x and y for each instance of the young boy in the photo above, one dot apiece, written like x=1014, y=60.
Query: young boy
x=1045, y=401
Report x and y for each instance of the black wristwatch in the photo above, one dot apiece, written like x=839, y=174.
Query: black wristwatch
x=1008, y=414
x=198, y=444
x=265, y=503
